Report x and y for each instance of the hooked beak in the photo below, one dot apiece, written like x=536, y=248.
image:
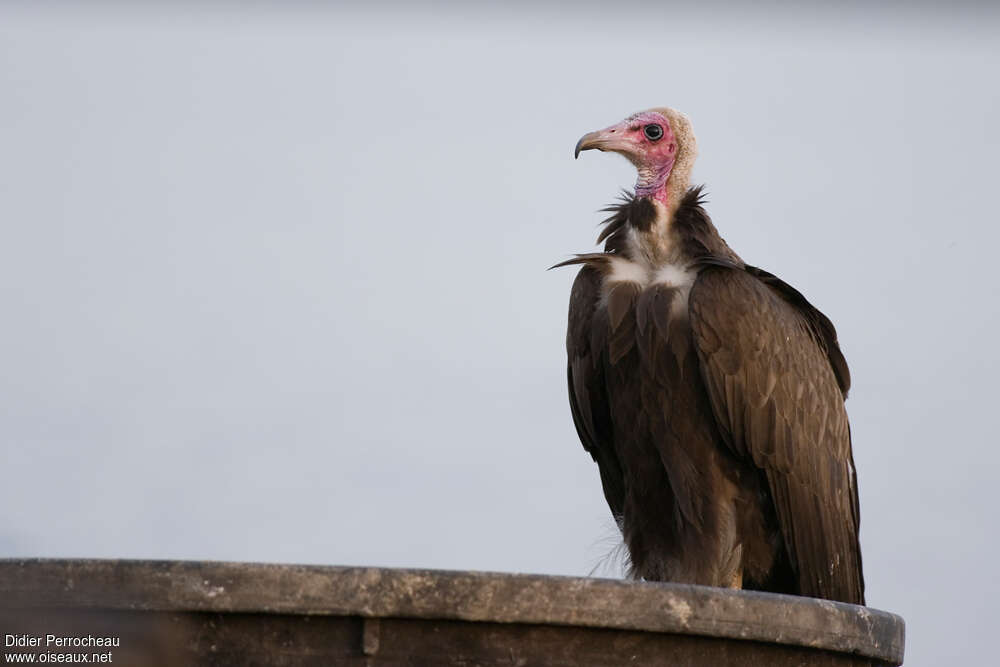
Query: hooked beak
x=609, y=139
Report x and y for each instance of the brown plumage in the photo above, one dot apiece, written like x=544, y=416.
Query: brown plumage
x=711, y=395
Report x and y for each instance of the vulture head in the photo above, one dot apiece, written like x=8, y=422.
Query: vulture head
x=661, y=145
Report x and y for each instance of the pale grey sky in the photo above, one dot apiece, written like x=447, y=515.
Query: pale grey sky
x=273, y=280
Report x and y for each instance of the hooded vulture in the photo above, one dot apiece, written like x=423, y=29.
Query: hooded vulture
x=709, y=392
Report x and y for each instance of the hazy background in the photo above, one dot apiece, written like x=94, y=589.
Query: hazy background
x=273, y=287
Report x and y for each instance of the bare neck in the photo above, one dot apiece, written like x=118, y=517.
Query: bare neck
x=666, y=184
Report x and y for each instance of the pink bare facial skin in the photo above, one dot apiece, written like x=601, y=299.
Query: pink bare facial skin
x=636, y=139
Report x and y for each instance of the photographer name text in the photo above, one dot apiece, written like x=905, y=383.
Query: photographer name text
x=86, y=641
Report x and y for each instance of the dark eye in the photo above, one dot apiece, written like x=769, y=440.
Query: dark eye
x=653, y=132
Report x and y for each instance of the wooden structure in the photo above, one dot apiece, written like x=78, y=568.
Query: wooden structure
x=206, y=613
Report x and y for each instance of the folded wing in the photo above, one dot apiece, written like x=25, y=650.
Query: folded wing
x=776, y=381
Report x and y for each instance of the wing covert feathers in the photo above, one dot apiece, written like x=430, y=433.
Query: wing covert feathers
x=587, y=388
x=776, y=382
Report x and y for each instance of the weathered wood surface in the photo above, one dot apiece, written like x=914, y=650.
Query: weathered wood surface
x=170, y=612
